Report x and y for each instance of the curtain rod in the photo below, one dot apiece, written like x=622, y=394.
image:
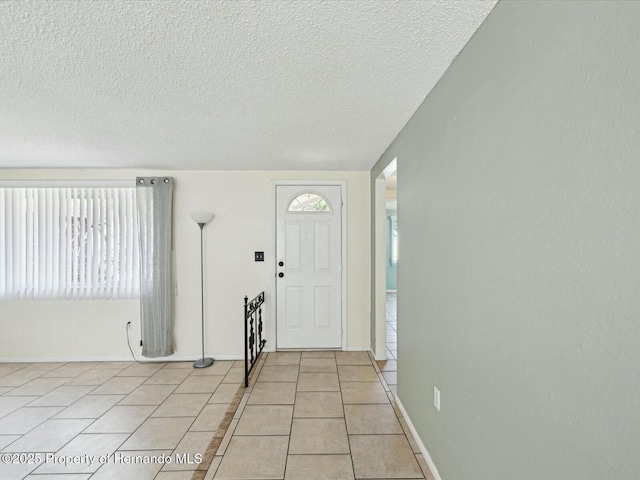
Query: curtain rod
x=68, y=183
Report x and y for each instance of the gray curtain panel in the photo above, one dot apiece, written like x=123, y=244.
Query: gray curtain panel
x=155, y=228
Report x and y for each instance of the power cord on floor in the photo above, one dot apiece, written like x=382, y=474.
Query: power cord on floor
x=133, y=355
x=131, y=349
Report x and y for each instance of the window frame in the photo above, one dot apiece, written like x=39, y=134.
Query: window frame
x=110, y=219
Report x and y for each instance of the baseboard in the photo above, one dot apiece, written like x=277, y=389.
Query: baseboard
x=362, y=348
x=127, y=358
x=358, y=349
x=378, y=358
x=423, y=449
x=172, y=358
x=348, y=349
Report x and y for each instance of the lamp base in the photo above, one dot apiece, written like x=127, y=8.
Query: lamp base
x=203, y=363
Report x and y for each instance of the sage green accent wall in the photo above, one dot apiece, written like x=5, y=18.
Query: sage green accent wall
x=520, y=279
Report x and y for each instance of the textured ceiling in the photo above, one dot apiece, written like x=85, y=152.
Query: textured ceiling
x=219, y=85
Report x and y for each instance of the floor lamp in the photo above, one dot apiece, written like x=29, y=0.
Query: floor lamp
x=202, y=218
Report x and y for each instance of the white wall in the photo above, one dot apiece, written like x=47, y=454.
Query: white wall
x=244, y=222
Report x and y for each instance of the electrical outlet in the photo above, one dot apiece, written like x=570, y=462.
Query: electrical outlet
x=259, y=256
x=436, y=398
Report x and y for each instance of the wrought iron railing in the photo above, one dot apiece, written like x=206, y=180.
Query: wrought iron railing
x=253, y=341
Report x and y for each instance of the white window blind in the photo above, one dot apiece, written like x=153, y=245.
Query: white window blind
x=66, y=243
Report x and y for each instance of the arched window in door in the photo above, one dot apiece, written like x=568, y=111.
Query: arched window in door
x=309, y=202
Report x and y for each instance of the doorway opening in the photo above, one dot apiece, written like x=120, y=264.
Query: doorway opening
x=391, y=260
x=386, y=265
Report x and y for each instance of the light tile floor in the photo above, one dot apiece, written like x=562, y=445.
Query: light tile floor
x=318, y=415
x=58, y=411
x=305, y=415
x=389, y=367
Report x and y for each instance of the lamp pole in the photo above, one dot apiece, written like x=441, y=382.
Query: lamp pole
x=201, y=218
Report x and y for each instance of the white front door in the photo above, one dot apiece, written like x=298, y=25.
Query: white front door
x=309, y=266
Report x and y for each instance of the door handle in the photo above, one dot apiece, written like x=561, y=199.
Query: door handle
x=281, y=264
x=281, y=274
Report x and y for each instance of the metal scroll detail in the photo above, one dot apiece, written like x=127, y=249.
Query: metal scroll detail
x=252, y=328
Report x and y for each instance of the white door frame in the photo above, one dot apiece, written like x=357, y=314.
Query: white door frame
x=380, y=259
x=310, y=183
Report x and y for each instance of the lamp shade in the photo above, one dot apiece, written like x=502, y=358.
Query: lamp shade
x=201, y=217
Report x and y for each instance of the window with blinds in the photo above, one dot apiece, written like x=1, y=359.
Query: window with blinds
x=68, y=243
x=394, y=240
